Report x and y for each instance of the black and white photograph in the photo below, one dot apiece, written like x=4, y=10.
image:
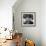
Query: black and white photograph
x=28, y=18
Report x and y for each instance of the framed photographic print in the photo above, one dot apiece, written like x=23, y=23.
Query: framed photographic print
x=28, y=19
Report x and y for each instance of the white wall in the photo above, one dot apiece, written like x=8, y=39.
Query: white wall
x=33, y=33
x=6, y=13
x=43, y=22
x=38, y=33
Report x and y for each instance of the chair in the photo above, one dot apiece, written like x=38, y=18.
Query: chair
x=18, y=39
x=29, y=43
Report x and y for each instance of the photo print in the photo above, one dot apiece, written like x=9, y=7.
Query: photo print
x=28, y=18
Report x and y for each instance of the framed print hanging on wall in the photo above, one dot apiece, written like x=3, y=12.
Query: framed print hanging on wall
x=28, y=19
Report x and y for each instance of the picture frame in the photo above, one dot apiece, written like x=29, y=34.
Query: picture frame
x=28, y=19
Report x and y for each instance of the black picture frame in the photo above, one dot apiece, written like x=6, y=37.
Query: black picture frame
x=28, y=19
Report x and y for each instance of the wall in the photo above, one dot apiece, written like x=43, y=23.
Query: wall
x=33, y=33
x=6, y=16
x=6, y=13
x=43, y=22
